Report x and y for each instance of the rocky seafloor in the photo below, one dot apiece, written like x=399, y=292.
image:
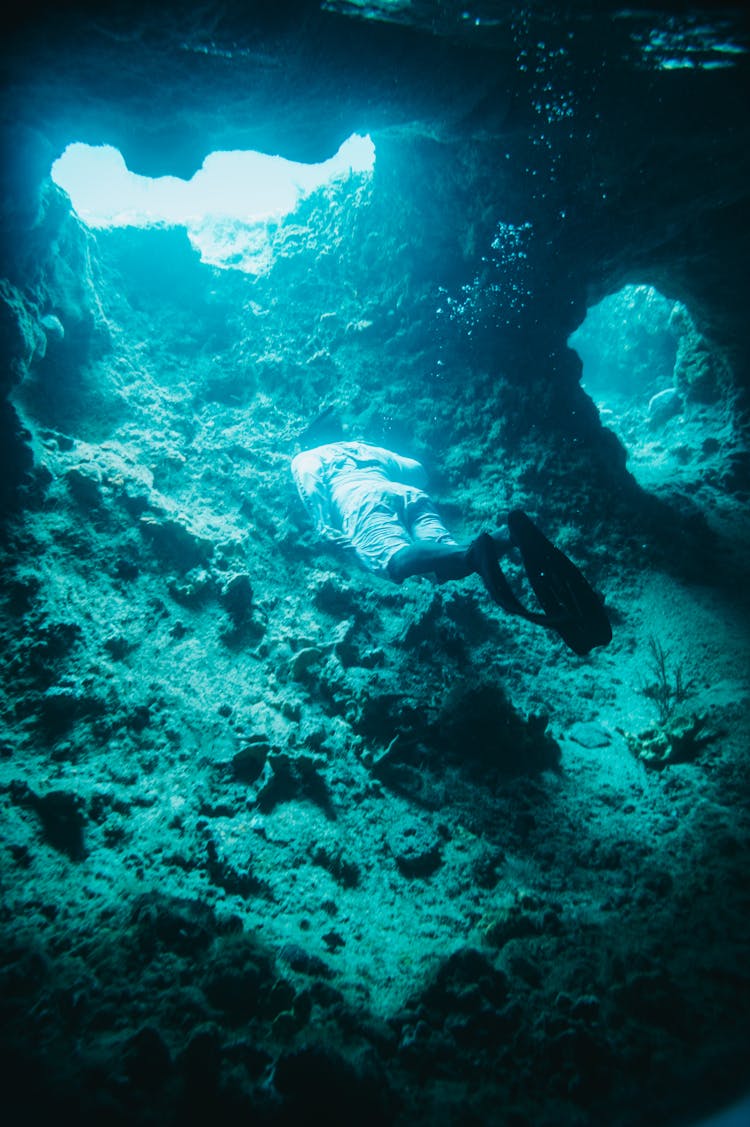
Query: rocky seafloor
x=285, y=843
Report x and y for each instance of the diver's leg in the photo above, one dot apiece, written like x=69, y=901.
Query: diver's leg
x=432, y=547
x=425, y=525
x=454, y=561
x=435, y=550
x=448, y=561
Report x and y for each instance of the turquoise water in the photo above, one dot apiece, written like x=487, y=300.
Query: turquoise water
x=284, y=840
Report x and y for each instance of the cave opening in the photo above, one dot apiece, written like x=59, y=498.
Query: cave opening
x=658, y=385
x=230, y=208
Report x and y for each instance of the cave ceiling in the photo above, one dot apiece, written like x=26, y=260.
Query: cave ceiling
x=646, y=164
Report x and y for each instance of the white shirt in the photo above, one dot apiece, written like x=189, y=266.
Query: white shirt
x=338, y=482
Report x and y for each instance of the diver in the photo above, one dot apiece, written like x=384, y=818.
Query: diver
x=376, y=502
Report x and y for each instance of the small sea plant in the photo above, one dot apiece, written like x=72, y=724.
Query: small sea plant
x=667, y=686
x=677, y=736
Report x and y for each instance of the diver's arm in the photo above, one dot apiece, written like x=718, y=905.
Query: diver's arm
x=307, y=470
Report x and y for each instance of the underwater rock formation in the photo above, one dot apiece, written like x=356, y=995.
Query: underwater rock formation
x=286, y=842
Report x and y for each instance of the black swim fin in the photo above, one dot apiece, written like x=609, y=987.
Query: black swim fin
x=482, y=557
x=571, y=605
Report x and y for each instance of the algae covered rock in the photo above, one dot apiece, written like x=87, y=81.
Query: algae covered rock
x=175, y=541
x=236, y=596
x=249, y=762
x=481, y=725
x=697, y=369
x=85, y=483
x=664, y=405
x=60, y=815
x=415, y=846
x=192, y=588
x=678, y=740
x=20, y=335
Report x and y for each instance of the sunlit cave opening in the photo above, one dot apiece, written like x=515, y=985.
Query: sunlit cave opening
x=232, y=208
x=658, y=385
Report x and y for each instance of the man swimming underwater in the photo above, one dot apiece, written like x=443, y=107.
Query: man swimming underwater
x=375, y=501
